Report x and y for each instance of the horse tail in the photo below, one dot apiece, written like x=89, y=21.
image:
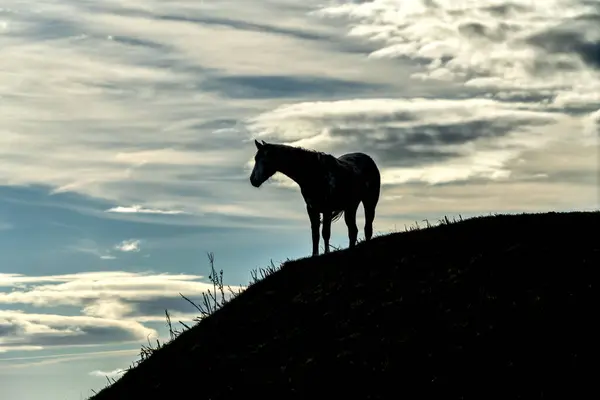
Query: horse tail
x=335, y=215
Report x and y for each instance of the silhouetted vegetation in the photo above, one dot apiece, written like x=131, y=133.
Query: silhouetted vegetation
x=489, y=307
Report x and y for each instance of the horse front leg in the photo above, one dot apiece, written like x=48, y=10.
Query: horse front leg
x=314, y=227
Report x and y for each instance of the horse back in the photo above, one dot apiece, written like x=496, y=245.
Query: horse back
x=343, y=181
x=362, y=165
x=360, y=176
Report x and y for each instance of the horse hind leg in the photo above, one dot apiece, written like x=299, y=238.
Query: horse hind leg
x=369, y=217
x=369, y=205
x=326, y=230
x=350, y=219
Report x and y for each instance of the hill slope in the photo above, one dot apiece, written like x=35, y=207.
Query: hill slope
x=490, y=307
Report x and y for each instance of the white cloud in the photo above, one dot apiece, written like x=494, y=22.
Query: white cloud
x=127, y=246
x=134, y=106
x=496, y=44
x=91, y=247
x=136, y=208
x=125, y=96
x=19, y=348
x=561, y=177
x=471, y=138
x=113, y=307
x=110, y=374
x=23, y=331
x=592, y=128
x=36, y=360
x=100, y=293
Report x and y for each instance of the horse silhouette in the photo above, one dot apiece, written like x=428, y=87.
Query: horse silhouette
x=330, y=186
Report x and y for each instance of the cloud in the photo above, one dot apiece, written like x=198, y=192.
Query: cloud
x=112, y=307
x=468, y=107
x=277, y=86
x=421, y=140
x=127, y=101
x=128, y=246
x=579, y=36
x=37, y=331
x=592, y=127
x=104, y=294
x=139, y=209
x=144, y=114
x=36, y=361
x=91, y=247
x=549, y=47
x=562, y=177
x=110, y=374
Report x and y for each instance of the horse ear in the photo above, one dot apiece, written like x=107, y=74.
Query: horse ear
x=258, y=145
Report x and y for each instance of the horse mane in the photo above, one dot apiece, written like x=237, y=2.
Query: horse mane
x=298, y=149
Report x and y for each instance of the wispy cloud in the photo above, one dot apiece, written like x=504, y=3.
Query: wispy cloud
x=423, y=140
x=99, y=290
x=156, y=126
x=89, y=246
x=141, y=115
x=36, y=361
x=108, y=374
x=113, y=307
x=592, y=128
x=139, y=209
x=159, y=128
x=128, y=246
x=521, y=46
x=22, y=331
x=467, y=106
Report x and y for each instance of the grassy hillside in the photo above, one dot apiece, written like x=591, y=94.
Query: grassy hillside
x=490, y=307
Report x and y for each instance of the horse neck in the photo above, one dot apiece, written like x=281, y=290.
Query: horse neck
x=299, y=165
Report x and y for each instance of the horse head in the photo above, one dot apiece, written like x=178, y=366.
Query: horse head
x=264, y=163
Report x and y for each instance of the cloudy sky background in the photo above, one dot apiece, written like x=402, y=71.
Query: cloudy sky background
x=126, y=145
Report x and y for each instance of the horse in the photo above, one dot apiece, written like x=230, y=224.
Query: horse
x=330, y=186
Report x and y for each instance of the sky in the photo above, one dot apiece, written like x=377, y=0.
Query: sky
x=126, y=140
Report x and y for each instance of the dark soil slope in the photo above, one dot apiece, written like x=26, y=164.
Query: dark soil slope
x=499, y=307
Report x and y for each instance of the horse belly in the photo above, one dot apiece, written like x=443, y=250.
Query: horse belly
x=316, y=203
x=322, y=203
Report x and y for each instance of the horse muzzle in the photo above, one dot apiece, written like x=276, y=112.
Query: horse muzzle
x=255, y=182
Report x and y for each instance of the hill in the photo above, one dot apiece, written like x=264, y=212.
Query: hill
x=494, y=307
